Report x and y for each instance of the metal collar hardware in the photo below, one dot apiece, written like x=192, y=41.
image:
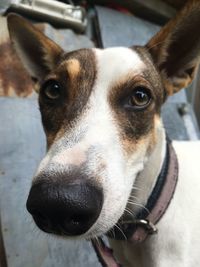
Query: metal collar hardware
x=149, y=226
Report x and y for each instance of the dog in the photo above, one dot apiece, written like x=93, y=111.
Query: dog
x=106, y=144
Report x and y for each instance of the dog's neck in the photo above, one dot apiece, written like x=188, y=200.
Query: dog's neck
x=147, y=178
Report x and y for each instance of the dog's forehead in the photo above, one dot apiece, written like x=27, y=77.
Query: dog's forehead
x=115, y=62
x=109, y=67
x=110, y=64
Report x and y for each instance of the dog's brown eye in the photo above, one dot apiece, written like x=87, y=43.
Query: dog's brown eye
x=51, y=90
x=140, y=98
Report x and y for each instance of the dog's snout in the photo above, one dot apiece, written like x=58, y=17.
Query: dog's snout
x=65, y=209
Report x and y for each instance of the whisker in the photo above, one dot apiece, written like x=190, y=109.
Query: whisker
x=97, y=240
x=129, y=212
x=113, y=232
x=137, y=188
x=133, y=197
x=139, y=205
x=120, y=231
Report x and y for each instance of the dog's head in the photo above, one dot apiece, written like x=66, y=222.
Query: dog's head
x=101, y=114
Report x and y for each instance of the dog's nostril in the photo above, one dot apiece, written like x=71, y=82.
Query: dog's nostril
x=76, y=219
x=73, y=222
x=75, y=225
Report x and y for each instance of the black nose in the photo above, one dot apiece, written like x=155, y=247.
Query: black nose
x=64, y=209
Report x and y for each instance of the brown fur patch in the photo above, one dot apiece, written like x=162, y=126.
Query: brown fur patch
x=76, y=73
x=137, y=125
x=73, y=68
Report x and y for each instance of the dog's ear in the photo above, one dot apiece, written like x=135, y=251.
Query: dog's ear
x=175, y=49
x=38, y=53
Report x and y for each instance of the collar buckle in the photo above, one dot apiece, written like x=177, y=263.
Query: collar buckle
x=147, y=225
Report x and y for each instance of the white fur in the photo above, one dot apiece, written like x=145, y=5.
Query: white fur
x=115, y=63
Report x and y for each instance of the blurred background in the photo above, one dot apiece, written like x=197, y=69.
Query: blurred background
x=73, y=25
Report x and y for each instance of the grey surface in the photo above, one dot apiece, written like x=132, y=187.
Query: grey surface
x=173, y=122
x=157, y=11
x=118, y=29
x=68, y=39
x=4, y=5
x=22, y=145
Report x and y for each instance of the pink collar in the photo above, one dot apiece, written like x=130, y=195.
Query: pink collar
x=145, y=222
